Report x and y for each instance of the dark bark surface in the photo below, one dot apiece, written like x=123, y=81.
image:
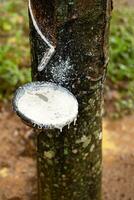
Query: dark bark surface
x=69, y=162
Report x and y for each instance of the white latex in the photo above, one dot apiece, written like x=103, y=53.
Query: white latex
x=49, y=53
x=49, y=106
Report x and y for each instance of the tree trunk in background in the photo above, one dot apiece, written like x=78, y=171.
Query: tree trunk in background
x=69, y=162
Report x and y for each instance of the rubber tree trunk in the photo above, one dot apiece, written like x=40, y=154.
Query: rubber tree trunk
x=69, y=162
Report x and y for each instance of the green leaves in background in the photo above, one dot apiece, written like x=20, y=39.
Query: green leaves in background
x=121, y=67
x=14, y=47
x=122, y=46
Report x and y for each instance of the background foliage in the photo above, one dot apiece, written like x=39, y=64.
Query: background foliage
x=14, y=47
x=121, y=66
x=15, y=59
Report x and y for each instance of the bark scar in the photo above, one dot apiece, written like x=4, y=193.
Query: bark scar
x=51, y=49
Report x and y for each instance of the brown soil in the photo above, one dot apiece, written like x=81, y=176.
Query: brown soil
x=117, y=3
x=17, y=163
x=118, y=159
x=18, y=166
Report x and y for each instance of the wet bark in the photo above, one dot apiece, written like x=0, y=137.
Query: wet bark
x=69, y=162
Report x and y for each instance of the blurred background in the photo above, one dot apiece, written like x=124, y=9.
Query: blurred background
x=17, y=163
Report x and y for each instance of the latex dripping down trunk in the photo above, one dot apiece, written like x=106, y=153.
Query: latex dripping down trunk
x=69, y=162
x=51, y=48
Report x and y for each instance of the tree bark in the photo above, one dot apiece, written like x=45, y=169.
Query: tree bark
x=69, y=162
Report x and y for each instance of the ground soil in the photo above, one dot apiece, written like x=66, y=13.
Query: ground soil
x=118, y=3
x=17, y=160
x=118, y=159
x=18, y=163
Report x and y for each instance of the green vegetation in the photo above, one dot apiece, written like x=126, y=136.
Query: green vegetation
x=122, y=46
x=14, y=50
x=121, y=67
x=14, y=53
